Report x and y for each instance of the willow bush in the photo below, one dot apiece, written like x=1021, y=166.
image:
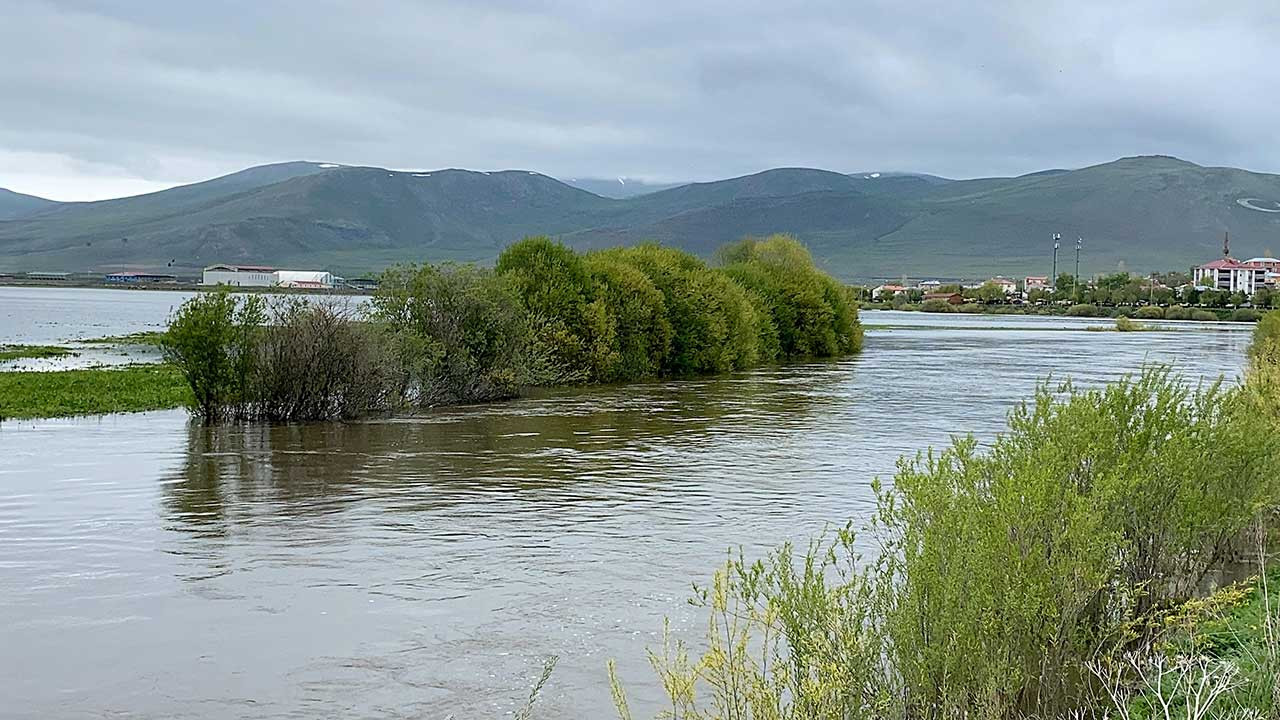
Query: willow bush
x=715, y=327
x=315, y=360
x=814, y=316
x=212, y=340
x=288, y=359
x=648, y=311
x=457, y=334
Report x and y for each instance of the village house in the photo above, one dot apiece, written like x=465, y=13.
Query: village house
x=1035, y=282
x=876, y=292
x=1008, y=286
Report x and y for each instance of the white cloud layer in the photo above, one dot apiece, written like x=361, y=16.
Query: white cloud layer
x=103, y=98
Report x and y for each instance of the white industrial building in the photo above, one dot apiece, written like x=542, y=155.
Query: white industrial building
x=258, y=276
x=314, y=279
x=239, y=276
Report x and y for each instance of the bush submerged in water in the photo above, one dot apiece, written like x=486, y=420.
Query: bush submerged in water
x=457, y=333
x=1004, y=574
x=246, y=359
x=212, y=340
x=813, y=315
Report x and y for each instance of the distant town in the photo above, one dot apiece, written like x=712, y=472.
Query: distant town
x=1223, y=282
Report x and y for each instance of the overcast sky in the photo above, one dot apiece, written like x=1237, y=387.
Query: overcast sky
x=101, y=99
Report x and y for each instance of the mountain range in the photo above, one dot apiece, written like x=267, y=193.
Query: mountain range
x=1139, y=213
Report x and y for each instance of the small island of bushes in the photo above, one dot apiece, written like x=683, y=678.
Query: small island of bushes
x=543, y=316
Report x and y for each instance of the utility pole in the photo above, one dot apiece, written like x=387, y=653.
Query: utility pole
x=1054, y=277
x=1079, y=242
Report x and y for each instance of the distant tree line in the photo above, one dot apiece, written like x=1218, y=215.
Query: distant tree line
x=544, y=315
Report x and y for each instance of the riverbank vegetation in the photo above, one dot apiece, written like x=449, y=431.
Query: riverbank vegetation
x=1060, y=572
x=131, y=388
x=144, y=337
x=31, y=352
x=544, y=316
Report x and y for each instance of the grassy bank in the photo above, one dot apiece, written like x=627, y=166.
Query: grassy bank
x=145, y=337
x=132, y=388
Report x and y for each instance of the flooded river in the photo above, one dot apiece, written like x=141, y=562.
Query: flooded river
x=424, y=567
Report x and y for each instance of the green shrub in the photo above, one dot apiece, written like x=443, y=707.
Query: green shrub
x=971, y=308
x=1124, y=324
x=1083, y=311
x=457, y=333
x=554, y=286
x=1097, y=512
x=1150, y=312
x=1204, y=316
x=715, y=326
x=1266, y=337
x=1004, y=575
x=1177, y=312
x=631, y=333
x=812, y=313
x=212, y=340
x=316, y=361
x=1245, y=315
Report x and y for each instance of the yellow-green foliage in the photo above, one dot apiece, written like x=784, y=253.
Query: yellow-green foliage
x=628, y=317
x=632, y=313
x=1004, y=574
x=1088, y=516
x=86, y=392
x=1266, y=338
x=554, y=285
x=715, y=326
x=814, y=315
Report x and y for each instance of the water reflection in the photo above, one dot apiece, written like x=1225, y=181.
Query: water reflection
x=563, y=446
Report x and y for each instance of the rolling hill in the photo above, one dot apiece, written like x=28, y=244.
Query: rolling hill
x=1141, y=213
x=15, y=205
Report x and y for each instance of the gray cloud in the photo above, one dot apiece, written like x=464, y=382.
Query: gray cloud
x=171, y=92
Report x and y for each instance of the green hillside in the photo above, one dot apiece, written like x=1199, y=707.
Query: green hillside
x=16, y=205
x=1142, y=214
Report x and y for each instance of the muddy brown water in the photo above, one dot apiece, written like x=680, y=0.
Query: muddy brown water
x=423, y=567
